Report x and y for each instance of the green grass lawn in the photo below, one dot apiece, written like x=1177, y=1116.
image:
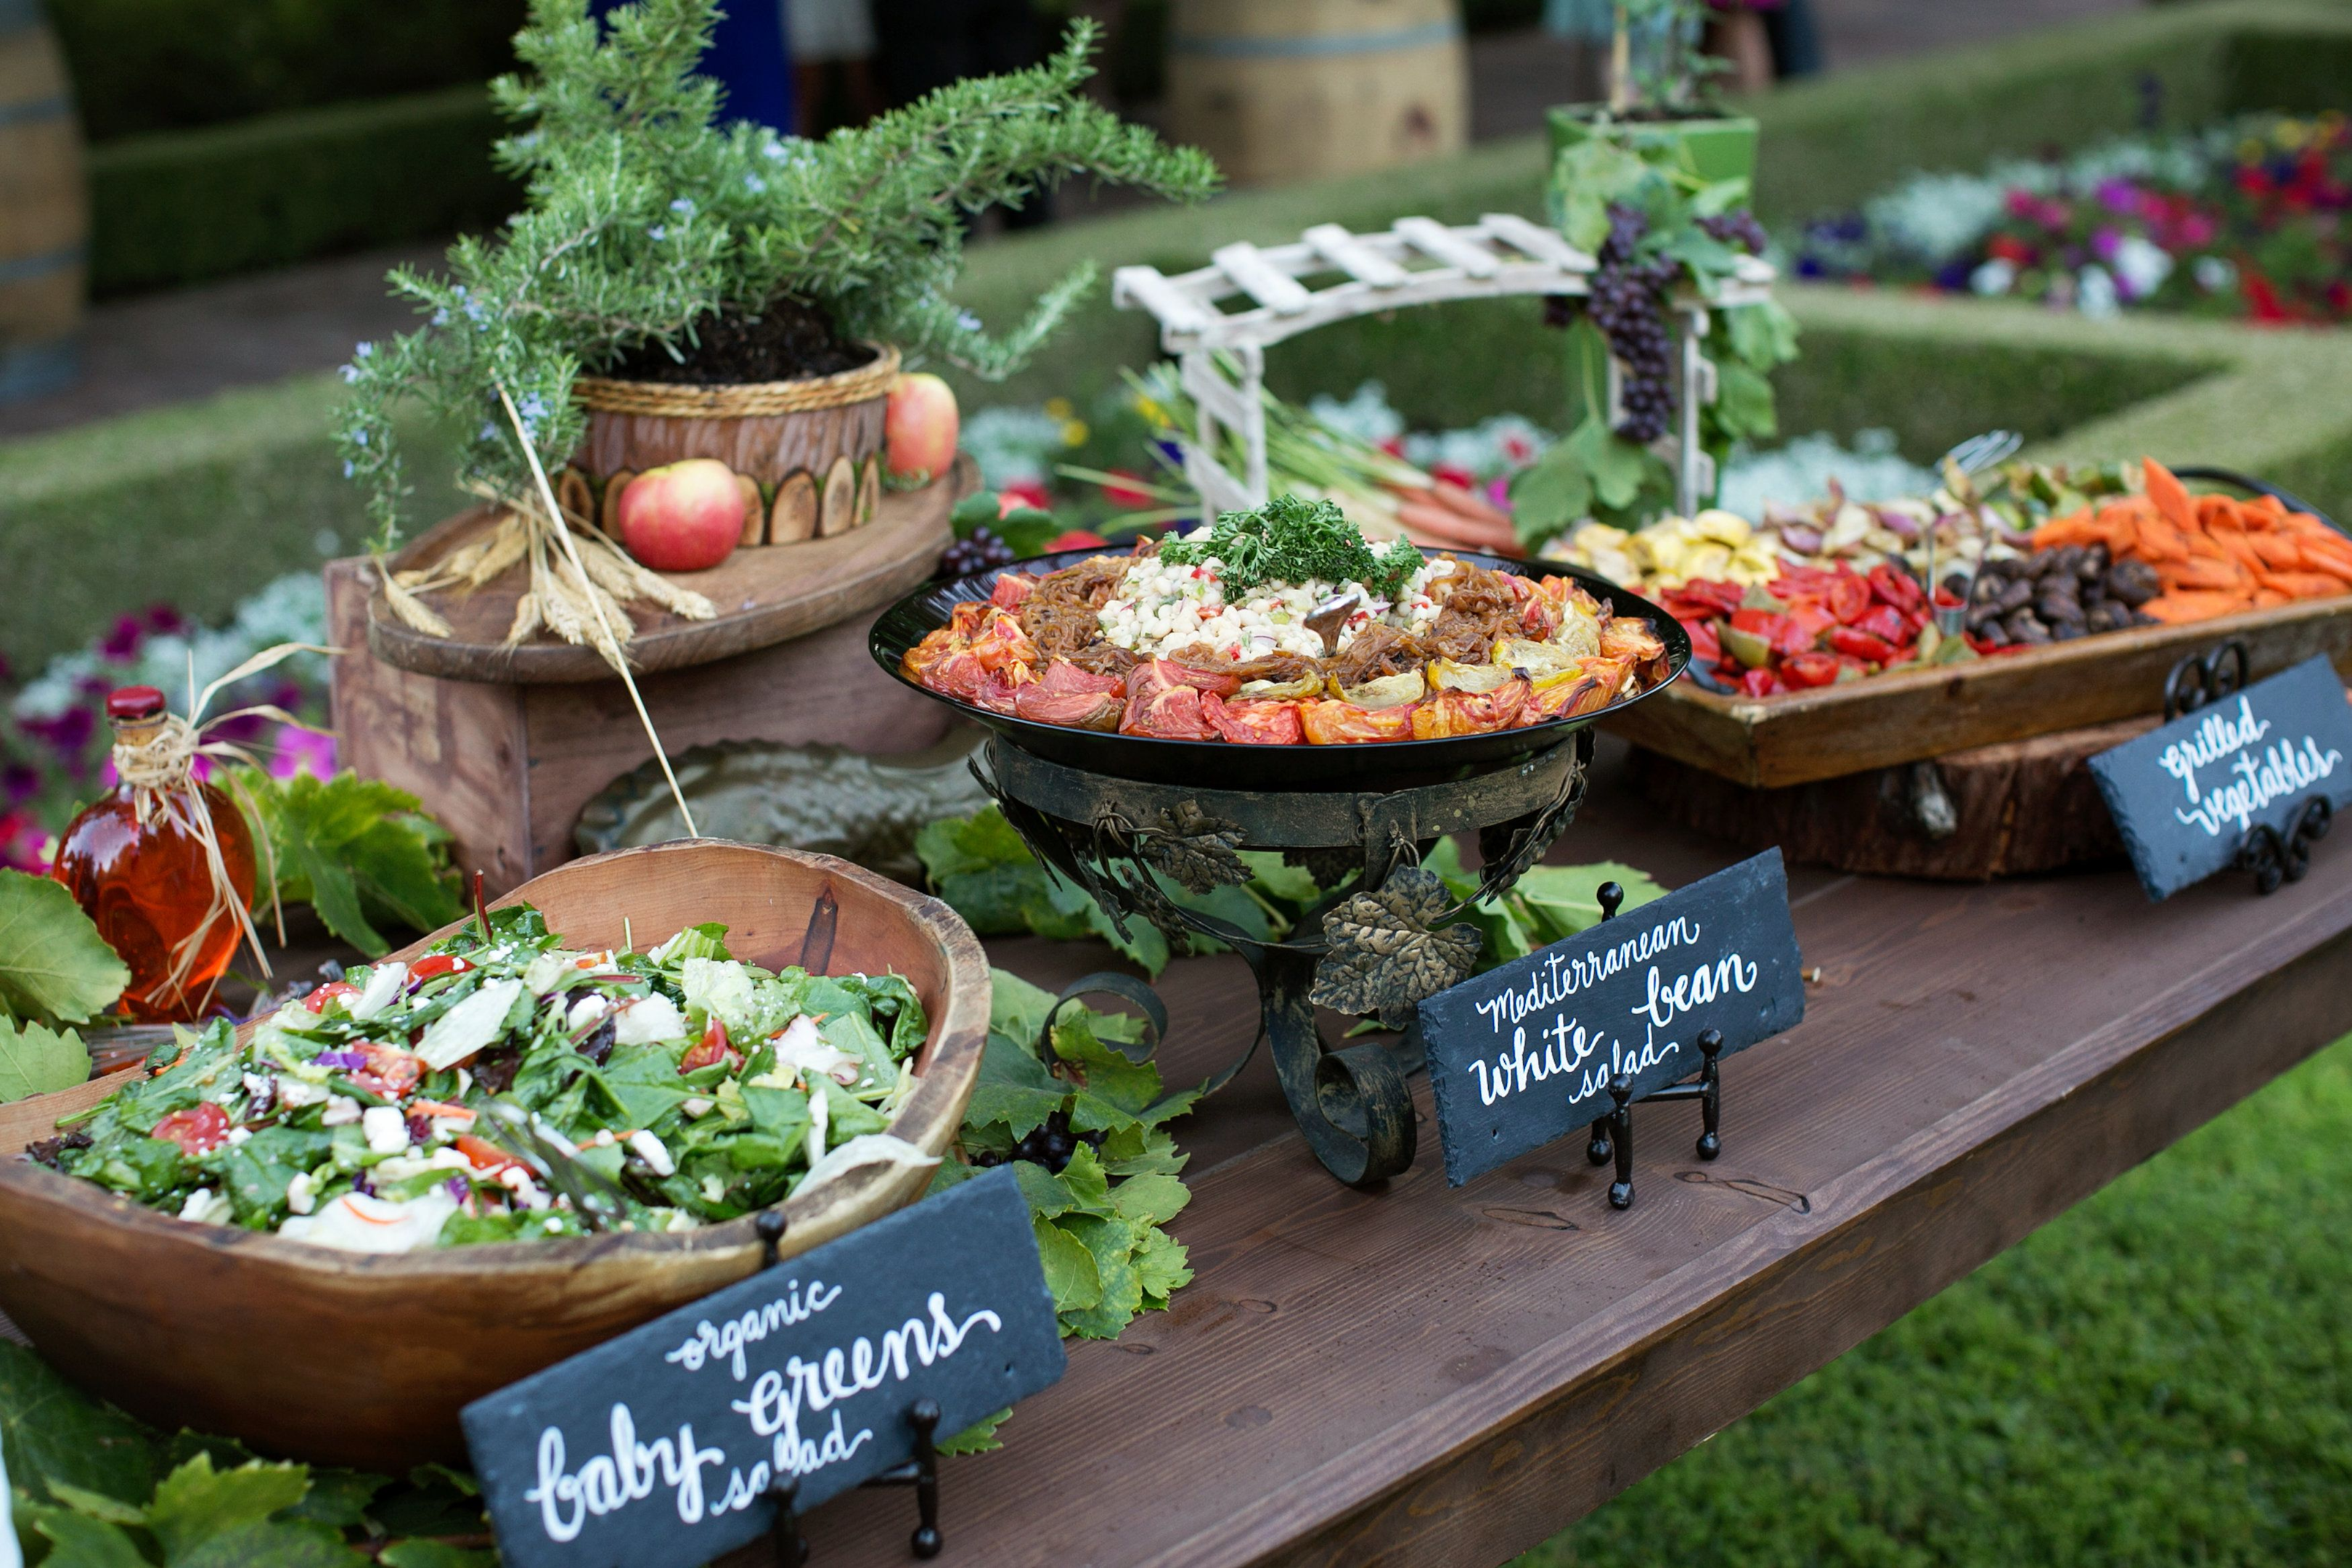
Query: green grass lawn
x=2163, y=1375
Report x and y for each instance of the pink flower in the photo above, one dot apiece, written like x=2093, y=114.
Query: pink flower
x=301, y=749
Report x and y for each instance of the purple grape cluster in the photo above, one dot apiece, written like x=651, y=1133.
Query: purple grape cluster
x=1738, y=229
x=983, y=550
x=1050, y=1145
x=1627, y=301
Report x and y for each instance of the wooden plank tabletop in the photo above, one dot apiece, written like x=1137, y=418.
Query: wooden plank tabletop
x=1435, y=1376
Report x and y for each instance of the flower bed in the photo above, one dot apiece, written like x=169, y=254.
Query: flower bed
x=2247, y=219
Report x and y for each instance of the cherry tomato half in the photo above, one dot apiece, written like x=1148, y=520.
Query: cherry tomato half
x=199, y=1130
x=711, y=1049
x=485, y=1154
x=317, y=1001
x=433, y=968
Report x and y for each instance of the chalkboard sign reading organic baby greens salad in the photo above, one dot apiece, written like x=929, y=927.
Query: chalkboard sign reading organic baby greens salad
x=1525, y=1053
x=2186, y=795
x=661, y=1446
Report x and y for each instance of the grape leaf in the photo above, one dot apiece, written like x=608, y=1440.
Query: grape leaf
x=195, y=1502
x=269, y=1543
x=1014, y=1088
x=1155, y=1199
x=34, y=1060
x=1162, y=1266
x=50, y=1429
x=1069, y=1268
x=82, y=1541
x=357, y=851
x=53, y=963
x=1564, y=899
x=1112, y=1243
x=980, y=1438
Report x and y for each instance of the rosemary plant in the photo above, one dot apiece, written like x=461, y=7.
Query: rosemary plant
x=645, y=216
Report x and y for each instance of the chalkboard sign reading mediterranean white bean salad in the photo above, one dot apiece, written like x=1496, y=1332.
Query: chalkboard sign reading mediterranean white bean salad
x=662, y=1446
x=2186, y=795
x=1525, y=1053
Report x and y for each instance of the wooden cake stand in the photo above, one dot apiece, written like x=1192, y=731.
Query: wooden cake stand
x=504, y=744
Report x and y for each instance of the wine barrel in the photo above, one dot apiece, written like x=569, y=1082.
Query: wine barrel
x=1293, y=89
x=43, y=207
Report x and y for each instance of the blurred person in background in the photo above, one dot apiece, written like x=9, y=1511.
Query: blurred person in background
x=1760, y=41
x=926, y=44
x=748, y=57
x=832, y=45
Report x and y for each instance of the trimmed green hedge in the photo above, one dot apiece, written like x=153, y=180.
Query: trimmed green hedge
x=146, y=66
x=195, y=505
x=189, y=206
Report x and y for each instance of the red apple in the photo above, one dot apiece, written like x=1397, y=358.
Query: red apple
x=919, y=428
x=682, y=517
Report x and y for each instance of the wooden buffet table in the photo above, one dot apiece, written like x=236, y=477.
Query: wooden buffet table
x=1433, y=1376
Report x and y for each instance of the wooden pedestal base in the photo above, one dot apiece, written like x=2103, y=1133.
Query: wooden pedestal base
x=506, y=766
x=2004, y=810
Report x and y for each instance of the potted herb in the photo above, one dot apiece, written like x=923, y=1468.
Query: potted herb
x=676, y=287
x=1655, y=186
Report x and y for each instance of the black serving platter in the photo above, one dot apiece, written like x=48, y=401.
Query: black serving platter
x=1219, y=765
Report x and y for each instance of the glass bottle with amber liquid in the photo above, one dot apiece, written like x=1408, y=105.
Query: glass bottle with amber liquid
x=137, y=862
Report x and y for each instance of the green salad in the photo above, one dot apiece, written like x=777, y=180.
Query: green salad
x=504, y=1086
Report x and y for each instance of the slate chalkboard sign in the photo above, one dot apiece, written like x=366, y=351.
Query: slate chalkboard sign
x=2184, y=796
x=659, y=1448
x=1524, y=1053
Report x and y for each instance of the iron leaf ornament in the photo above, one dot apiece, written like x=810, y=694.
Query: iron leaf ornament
x=1384, y=956
x=1200, y=851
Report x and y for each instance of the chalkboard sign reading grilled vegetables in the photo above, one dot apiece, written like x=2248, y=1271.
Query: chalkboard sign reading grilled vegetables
x=1525, y=1053
x=662, y=1446
x=2186, y=796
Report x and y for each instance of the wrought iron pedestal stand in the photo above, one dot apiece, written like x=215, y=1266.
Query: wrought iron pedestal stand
x=1377, y=944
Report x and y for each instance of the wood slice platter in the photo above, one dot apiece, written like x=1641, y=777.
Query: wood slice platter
x=2012, y=809
x=1889, y=720
x=764, y=595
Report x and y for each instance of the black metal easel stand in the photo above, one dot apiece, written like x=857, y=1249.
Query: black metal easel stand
x=921, y=1472
x=2275, y=859
x=1612, y=1135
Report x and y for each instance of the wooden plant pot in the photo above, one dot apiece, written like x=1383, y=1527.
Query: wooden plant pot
x=808, y=453
x=347, y=1359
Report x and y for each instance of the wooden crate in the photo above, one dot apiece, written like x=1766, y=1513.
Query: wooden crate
x=505, y=746
x=1889, y=720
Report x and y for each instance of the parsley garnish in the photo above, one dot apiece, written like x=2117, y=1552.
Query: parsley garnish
x=1290, y=541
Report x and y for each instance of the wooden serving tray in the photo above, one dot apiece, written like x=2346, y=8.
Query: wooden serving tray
x=1886, y=720
x=764, y=595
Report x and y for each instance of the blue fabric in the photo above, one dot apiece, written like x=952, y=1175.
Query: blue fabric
x=751, y=58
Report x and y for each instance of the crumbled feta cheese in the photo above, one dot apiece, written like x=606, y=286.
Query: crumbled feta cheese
x=696, y=1107
x=205, y=1207
x=386, y=1128
x=341, y=1110
x=654, y=1153
x=300, y=1195
x=605, y=1138
x=820, y=1112
x=294, y=1093
x=239, y=1134
x=585, y=1011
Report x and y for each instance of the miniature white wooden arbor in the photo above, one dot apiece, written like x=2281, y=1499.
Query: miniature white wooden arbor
x=1419, y=261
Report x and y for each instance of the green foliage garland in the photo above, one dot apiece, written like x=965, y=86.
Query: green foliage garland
x=643, y=216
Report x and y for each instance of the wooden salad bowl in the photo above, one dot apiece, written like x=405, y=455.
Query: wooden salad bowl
x=348, y=1359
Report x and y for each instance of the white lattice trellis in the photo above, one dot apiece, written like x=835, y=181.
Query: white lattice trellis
x=1419, y=261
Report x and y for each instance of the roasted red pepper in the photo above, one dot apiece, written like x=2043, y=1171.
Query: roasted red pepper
x=1764, y=624
x=1848, y=597
x=1862, y=645
x=1706, y=647
x=1759, y=683
x=1807, y=670
x=1887, y=622
x=1802, y=634
x=1895, y=588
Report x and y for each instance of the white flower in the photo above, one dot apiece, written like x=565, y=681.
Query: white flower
x=1995, y=277
x=2141, y=266
x=2215, y=274
x=2095, y=293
